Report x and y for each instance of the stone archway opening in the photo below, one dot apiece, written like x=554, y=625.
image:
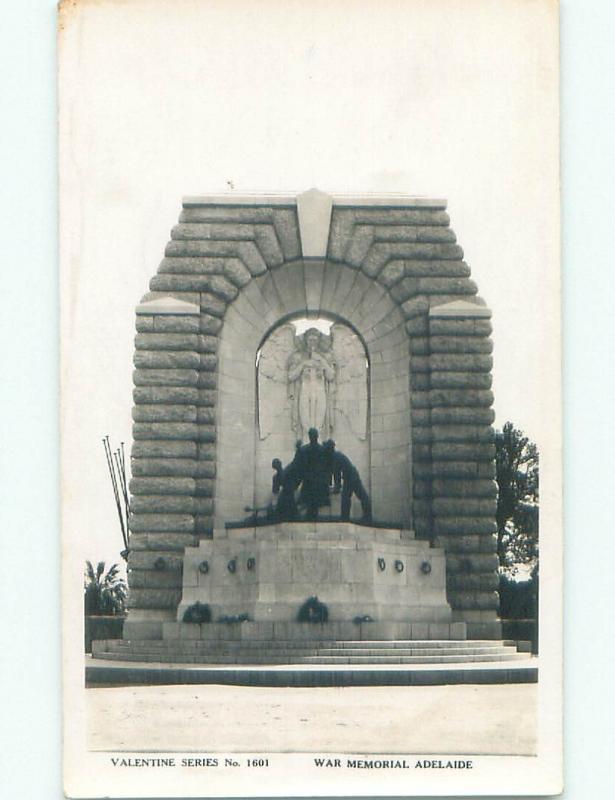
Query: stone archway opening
x=311, y=372
x=381, y=444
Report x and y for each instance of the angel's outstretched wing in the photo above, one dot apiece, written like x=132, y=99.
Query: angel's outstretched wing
x=351, y=394
x=273, y=400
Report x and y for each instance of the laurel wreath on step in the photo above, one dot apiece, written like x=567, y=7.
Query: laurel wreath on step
x=204, y=567
x=229, y=619
x=313, y=610
x=197, y=613
x=382, y=564
x=232, y=565
x=425, y=567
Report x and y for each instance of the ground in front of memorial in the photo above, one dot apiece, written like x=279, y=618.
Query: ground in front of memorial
x=464, y=719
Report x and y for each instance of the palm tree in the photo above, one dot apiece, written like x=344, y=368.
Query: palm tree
x=103, y=593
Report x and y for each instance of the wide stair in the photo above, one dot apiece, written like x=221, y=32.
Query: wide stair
x=270, y=653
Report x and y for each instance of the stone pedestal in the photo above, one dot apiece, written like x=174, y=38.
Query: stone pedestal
x=269, y=572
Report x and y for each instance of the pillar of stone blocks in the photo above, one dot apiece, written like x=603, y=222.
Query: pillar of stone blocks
x=173, y=454
x=462, y=490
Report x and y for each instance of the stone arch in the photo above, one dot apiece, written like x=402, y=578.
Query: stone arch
x=352, y=298
x=397, y=273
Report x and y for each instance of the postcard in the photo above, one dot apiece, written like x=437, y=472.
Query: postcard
x=310, y=400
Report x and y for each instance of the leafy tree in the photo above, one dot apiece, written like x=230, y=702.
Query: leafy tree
x=103, y=593
x=518, y=599
x=517, y=508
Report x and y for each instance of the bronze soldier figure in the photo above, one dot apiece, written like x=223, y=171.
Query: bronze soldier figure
x=346, y=477
x=310, y=463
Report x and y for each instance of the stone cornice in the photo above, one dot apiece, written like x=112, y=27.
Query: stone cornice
x=381, y=200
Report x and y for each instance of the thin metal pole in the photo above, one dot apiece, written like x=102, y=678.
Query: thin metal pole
x=122, y=480
x=124, y=483
x=126, y=496
x=121, y=476
x=114, y=485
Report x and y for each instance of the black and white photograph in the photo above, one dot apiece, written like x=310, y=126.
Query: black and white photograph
x=310, y=398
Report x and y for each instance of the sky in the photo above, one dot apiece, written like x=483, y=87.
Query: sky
x=160, y=100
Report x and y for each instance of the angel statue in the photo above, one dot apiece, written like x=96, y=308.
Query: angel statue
x=313, y=380
x=311, y=373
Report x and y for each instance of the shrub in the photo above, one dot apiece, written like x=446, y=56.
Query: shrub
x=313, y=611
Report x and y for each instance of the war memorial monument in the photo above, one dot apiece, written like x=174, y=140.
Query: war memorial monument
x=391, y=360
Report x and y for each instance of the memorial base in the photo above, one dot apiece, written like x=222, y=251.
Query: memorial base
x=266, y=574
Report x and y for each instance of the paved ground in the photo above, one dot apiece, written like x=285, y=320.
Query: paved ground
x=465, y=719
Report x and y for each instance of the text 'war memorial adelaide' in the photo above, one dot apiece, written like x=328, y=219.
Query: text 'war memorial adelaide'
x=313, y=456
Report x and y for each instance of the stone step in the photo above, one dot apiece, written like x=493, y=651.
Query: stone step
x=294, y=657
x=278, y=644
x=261, y=653
x=124, y=673
x=406, y=651
x=441, y=659
x=300, y=648
x=262, y=660
x=308, y=651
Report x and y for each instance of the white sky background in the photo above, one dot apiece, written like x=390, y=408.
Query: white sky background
x=161, y=100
